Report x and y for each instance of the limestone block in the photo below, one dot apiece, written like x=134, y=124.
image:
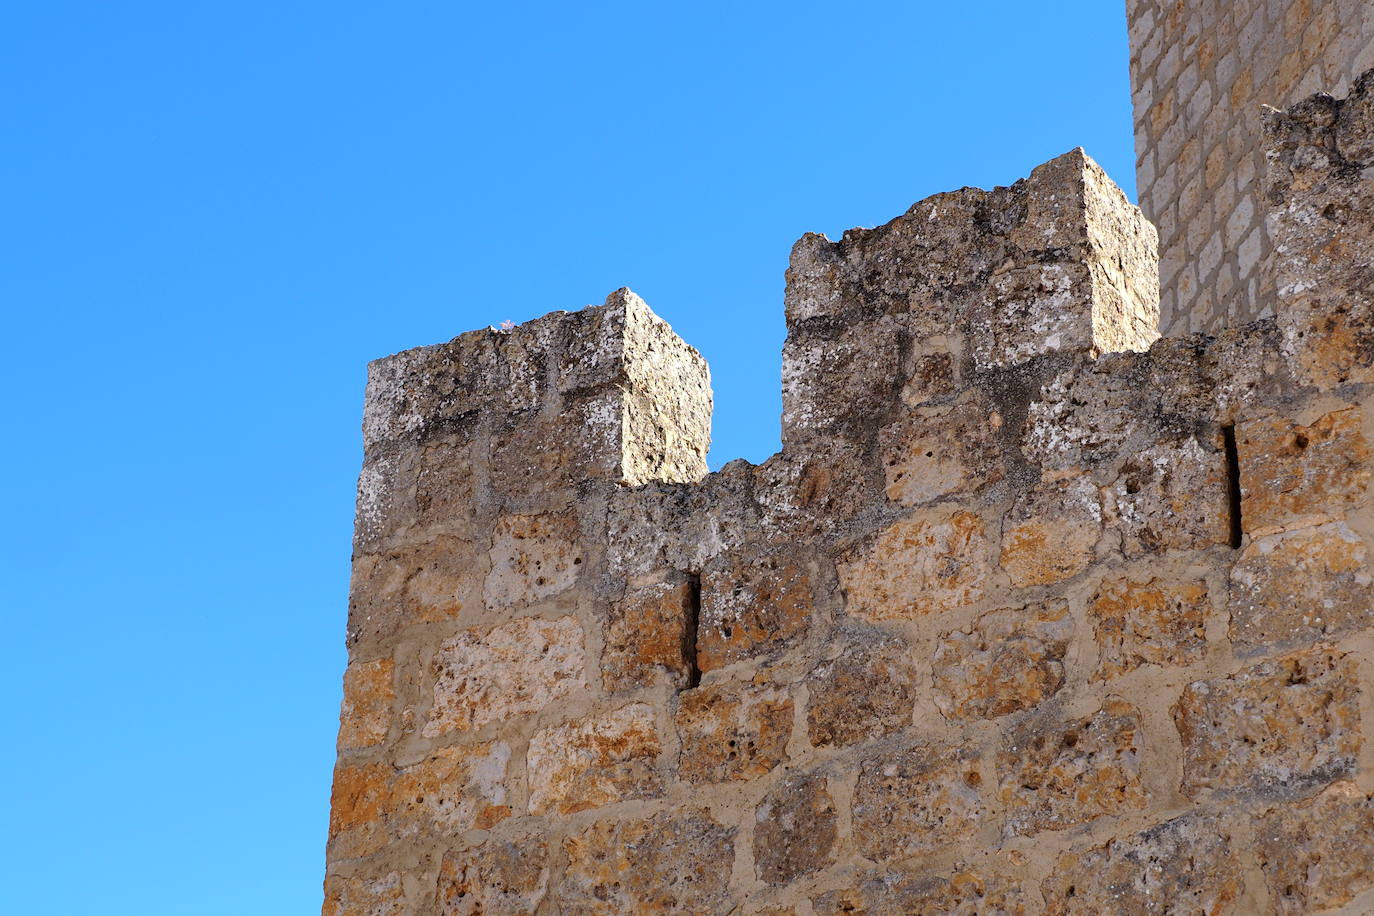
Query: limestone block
x=357, y=805
x=368, y=694
x=1051, y=532
x=931, y=561
x=751, y=607
x=1054, y=774
x=1292, y=475
x=929, y=455
x=912, y=801
x=1172, y=496
x=595, y=761
x=732, y=732
x=1282, y=727
x=514, y=669
x=418, y=583
x=1318, y=854
x=497, y=878
x=1147, y=621
x=966, y=892
x=648, y=634
x=866, y=692
x=794, y=830
x=383, y=895
x=673, y=862
x=1005, y=660
x=1299, y=587
x=532, y=557
x=1189, y=864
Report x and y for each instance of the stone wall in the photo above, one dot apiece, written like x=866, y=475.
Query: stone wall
x=1033, y=612
x=1201, y=72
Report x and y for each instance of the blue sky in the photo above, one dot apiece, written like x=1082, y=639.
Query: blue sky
x=215, y=214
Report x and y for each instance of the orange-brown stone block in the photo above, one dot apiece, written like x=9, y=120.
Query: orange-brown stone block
x=1148, y=622
x=1054, y=774
x=1170, y=497
x=596, y=761
x=889, y=893
x=1187, y=865
x=932, y=561
x=420, y=583
x=1318, y=854
x=751, y=607
x=532, y=557
x=867, y=692
x=368, y=693
x=1051, y=533
x=515, y=669
x=673, y=862
x=732, y=732
x=647, y=636
x=912, y=801
x=1299, y=587
x=380, y=896
x=357, y=804
x=1005, y=660
x=1284, y=725
x=794, y=830
x=926, y=456
x=1292, y=476
x=498, y=878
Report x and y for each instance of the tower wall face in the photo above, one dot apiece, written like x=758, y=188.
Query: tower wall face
x=1201, y=72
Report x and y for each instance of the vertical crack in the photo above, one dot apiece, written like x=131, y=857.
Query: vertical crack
x=1228, y=438
x=689, y=630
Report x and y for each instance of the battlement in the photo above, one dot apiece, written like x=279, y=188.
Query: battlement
x=1033, y=612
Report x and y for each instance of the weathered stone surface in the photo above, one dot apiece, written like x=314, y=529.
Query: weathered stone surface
x=348, y=896
x=498, y=878
x=1293, y=476
x=894, y=893
x=596, y=761
x=1005, y=660
x=1054, y=774
x=915, y=800
x=840, y=383
x=794, y=830
x=1318, y=854
x=1188, y=865
x=732, y=732
x=673, y=862
x=419, y=583
x=1151, y=621
x=532, y=557
x=360, y=799
x=752, y=607
x=1301, y=586
x=867, y=692
x=929, y=455
x=1050, y=534
x=512, y=670
x=648, y=635
x=1172, y=496
x=368, y=694
x=932, y=561
x=1282, y=726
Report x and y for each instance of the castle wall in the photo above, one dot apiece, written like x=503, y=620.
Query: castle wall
x=1201, y=71
x=1033, y=613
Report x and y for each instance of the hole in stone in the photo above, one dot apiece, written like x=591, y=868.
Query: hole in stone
x=1237, y=529
x=690, y=625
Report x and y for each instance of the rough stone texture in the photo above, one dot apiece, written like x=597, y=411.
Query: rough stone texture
x=929, y=562
x=1148, y=622
x=1050, y=534
x=964, y=893
x=1318, y=854
x=381, y=896
x=794, y=833
x=928, y=455
x=914, y=800
x=365, y=716
x=750, y=607
x=532, y=557
x=1280, y=727
x=867, y=692
x=1200, y=75
x=650, y=635
x=731, y=733
x=1293, y=475
x=596, y=761
x=1170, y=497
x=1006, y=660
x=498, y=878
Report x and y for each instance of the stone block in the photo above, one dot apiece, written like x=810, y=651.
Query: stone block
x=1292, y=475
x=932, y=561
x=383, y=895
x=752, y=607
x=1139, y=621
x=1299, y=587
x=368, y=695
x=1318, y=854
x=794, y=830
x=1051, y=533
x=929, y=455
x=498, y=878
x=966, y=892
x=357, y=805
x=1171, y=496
x=915, y=800
x=532, y=557
x=732, y=732
x=413, y=584
x=1282, y=727
x=649, y=631
x=866, y=692
x=1004, y=661
x=1187, y=865
x=673, y=862
x=514, y=669
x=1054, y=774
x=595, y=761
